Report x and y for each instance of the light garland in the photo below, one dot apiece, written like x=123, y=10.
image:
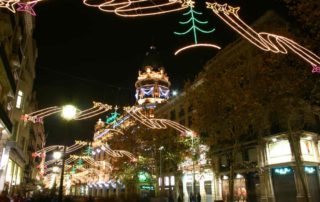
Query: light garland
x=264, y=41
x=37, y=116
x=152, y=123
x=194, y=28
x=116, y=153
x=138, y=8
x=22, y=6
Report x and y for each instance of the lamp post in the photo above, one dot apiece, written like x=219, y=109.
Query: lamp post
x=69, y=112
x=160, y=174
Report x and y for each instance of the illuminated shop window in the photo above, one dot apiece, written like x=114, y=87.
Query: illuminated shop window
x=19, y=99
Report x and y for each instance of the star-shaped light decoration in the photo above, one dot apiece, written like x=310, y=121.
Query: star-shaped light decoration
x=233, y=10
x=214, y=6
x=9, y=4
x=27, y=7
x=188, y=3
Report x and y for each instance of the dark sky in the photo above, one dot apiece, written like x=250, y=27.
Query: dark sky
x=86, y=55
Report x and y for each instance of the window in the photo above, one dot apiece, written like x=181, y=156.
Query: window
x=207, y=187
x=19, y=99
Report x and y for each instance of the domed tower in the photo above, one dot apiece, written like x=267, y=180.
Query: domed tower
x=153, y=85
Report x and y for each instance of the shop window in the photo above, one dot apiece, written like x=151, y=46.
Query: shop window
x=207, y=187
x=19, y=99
x=279, y=151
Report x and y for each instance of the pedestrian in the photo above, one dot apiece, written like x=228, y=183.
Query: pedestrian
x=171, y=197
x=192, y=198
x=179, y=198
x=198, y=197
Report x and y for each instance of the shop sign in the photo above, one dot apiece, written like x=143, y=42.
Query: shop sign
x=309, y=169
x=147, y=187
x=282, y=171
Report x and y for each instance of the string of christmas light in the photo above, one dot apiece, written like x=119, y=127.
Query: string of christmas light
x=21, y=6
x=152, y=123
x=138, y=8
x=194, y=28
x=37, y=116
x=115, y=153
x=264, y=41
x=98, y=108
x=78, y=145
x=106, y=132
x=47, y=149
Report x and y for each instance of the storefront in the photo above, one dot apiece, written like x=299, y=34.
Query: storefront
x=204, y=184
x=282, y=167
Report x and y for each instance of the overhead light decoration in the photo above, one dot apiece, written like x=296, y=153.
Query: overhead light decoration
x=263, y=40
x=153, y=123
x=194, y=29
x=38, y=116
x=138, y=8
x=17, y=5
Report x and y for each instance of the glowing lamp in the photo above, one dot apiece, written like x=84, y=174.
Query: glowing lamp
x=57, y=155
x=69, y=112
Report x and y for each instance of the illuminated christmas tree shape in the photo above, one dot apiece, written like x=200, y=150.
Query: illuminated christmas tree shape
x=79, y=163
x=137, y=8
x=263, y=40
x=73, y=170
x=194, y=29
x=88, y=151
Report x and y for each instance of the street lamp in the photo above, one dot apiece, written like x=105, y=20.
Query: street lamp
x=160, y=174
x=69, y=112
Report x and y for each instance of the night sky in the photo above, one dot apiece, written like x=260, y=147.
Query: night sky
x=87, y=55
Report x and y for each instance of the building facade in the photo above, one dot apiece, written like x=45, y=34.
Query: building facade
x=18, y=56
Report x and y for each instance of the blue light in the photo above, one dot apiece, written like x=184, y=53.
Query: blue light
x=283, y=171
x=309, y=169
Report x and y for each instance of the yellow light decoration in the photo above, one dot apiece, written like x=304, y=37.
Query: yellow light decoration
x=138, y=8
x=196, y=45
x=264, y=41
x=153, y=123
x=106, y=132
x=37, y=116
x=117, y=153
x=9, y=4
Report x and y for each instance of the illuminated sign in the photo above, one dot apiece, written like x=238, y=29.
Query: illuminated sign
x=147, y=187
x=283, y=171
x=309, y=170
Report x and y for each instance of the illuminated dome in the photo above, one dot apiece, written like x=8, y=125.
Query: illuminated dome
x=153, y=83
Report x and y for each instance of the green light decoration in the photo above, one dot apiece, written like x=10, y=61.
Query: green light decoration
x=143, y=176
x=88, y=151
x=194, y=29
x=79, y=163
x=73, y=170
x=113, y=116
